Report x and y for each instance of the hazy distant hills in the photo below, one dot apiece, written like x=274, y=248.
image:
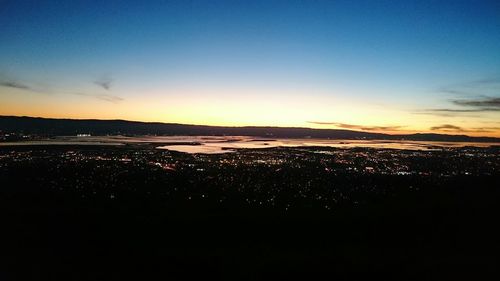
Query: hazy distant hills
x=64, y=127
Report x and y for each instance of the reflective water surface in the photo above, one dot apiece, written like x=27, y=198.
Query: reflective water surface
x=227, y=144
x=214, y=146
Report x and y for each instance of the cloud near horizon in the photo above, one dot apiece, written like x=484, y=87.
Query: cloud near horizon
x=455, y=112
x=446, y=127
x=458, y=129
x=358, y=127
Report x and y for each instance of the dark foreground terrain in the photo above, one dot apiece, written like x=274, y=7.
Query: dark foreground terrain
x=133, y=212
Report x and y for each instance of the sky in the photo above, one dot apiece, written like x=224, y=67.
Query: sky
x=379, y=66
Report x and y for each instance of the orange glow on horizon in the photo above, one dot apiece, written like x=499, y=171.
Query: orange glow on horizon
x=245, y=110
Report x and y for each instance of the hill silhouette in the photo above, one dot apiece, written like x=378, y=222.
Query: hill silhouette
x=59, y=127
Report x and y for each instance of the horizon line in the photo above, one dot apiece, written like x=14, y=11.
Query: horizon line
x=248, y=126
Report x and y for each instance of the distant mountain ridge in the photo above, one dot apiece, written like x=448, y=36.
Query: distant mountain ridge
x=60, y=127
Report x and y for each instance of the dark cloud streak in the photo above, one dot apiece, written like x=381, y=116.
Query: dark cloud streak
x=476, y=97
x=454, y=112
x=358, y=127
x=23, y=86
x=447, y=127
x=15, y=85
x=458, y=129
x=104, y=82
x=481, y=104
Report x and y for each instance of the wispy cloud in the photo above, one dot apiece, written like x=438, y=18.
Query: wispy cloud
x=491, y=80
x=473, y=88
x=358, y=127
x=25, y=86
x=455, y=92
x=455, y=112
x=104, y=97
x=446, y=127
x=450, y=110
x=458, y=129
x=15, y=85
x=471, y=97
x=105, y=82
x=486, y=103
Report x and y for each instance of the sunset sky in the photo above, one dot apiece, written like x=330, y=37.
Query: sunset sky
x=382, y=66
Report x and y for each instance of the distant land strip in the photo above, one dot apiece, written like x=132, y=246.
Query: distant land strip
x=69, y=127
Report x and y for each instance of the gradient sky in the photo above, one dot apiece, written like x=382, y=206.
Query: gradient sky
x=387, y=66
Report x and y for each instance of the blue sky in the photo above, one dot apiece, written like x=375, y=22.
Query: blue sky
x=341, y=59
